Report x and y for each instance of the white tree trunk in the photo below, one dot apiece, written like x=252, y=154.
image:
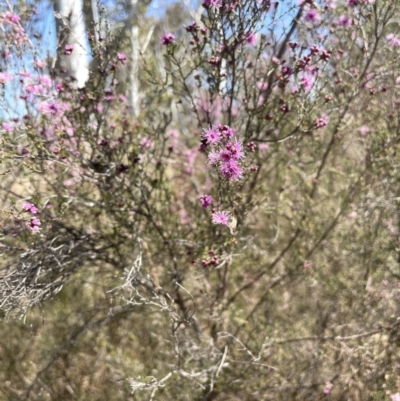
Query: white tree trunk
x=134, y=59
x=71, y=30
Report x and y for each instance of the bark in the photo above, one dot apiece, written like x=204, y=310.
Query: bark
x=71, y=30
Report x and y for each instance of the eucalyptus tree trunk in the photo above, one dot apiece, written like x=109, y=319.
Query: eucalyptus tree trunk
x=72, y=44
x=134, y=59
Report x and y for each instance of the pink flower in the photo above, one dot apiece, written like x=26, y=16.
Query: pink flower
x=45, y=80
x=364, y=130
x=395, y=397
x=5, y=77
x=262, y=86
x=211, y=135
x=53, y=108
x=122, y=58
x=231, y=170
x=212, y=4
x=7, y=127
x=312, y=16
x=307, y=82
x=206, y=200
x=167, y=39
x=251, y=38
x=237, y=150
x=34, y=225
x=213, y=158
x=146, y=143
x=328, y=388
x=14, y=18
x=322, y=121
x=344, y=20
x=30, y=207
x=108, y=95
x=68, y=49
x=393, y=39
x=226, y=131
x=220, y=218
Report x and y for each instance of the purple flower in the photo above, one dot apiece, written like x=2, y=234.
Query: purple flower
x=236, y=150
x=8, y=127
x=231, y=170
x=393, y=39
x=211, y=3
x=225, y=156
x=53, y=108
x=344, y=20
x=226, y=131
x=307, y=83
x=30, y=207
x=211, y=135
x=5, y=77
x=108, y=95
x=312, y=16
x=220, y=218
x=213, y=157
x=34, y=225
x=14, y=18
x=167, y=39
x=206, y=200
x=328, y=387
x=286, y=70
x=251, y=38
x=364, y=130
x=68, y=49
x=146, y=142
x=122, y=58
x=322, y=121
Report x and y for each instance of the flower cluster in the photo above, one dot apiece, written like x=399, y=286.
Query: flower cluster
x=167, y=39
x=224, y=153
x=34, y=223
x=206, y=200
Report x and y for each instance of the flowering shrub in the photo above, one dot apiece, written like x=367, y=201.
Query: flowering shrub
x=237, y=239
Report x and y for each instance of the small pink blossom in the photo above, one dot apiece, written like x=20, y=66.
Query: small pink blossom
x=307, y=82
x=322, y=121
x=211, y=4
x=312, y=16
x=34, y=225
x=68, y=49
x=30, y=207
x=213, y=158
x=262, y=86
x=53, y=108
x=5, y=77
x=206, y=200
x=39, y=64
x=7, y=127
x=231, y=170
x=393, y=39
x=45, y=80
x=167, y=39
x=251, y=38
x=344, y=21
x=146, y=143
x=395, y=397
x=122, y=58
x=211, y=135
x=328, y=387
x=220, y=218
x=364, y=130
x=10, y=17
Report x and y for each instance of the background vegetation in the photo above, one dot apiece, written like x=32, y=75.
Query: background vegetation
x=118, y=281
